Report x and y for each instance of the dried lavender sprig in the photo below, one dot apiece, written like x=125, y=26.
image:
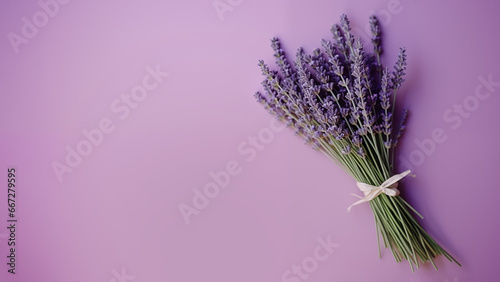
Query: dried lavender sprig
x=310, y=90
x=399, y=69
x=281, y=59
x=340, y=41
x=398, y=74
x=385, y=104
x=345, y=25
x=359, y=83
x=385, y=91
x=376, y=37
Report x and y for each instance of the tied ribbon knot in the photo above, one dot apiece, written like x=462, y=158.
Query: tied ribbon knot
x=388, y=187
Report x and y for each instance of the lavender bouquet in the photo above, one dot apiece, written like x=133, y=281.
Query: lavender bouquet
x=342, y=101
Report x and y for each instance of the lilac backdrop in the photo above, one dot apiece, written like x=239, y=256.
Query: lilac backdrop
x=114, y=215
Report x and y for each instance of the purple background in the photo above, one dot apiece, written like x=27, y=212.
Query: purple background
x=117, y=212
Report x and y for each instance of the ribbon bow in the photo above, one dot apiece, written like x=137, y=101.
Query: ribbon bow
x=388, y=187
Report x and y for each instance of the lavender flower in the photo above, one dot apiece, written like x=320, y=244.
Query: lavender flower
x=376, y=36
x=345, y=25
x=281, y=60
x=341, y=100
x=401, y=127
x=340, y=41
x=399, y=69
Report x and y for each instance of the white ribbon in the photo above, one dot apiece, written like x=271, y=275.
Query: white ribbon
x=389, y=187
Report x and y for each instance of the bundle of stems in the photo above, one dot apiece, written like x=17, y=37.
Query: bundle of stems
x=342, y=100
